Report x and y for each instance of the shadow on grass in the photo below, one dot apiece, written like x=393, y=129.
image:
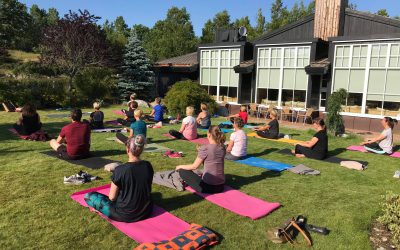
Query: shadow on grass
x=265, y=152
x=237, y=181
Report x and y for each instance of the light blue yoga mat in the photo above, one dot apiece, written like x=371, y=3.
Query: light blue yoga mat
x=267, y=164
x=224, y=130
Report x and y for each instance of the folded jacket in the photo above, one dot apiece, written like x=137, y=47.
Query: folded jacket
x=170, y=179
x=303, y=170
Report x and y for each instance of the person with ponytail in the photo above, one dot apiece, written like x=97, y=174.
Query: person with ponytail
x=317, y=147
x=383, y=144
x=129, y=199
x=212, y=157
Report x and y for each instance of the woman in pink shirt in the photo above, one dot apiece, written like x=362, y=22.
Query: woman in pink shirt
x=188, y=129
x=237, y=147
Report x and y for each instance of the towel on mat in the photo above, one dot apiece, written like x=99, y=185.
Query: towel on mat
x=303, y=170
x=170, y=179
x=239, y=203
x=160, y=226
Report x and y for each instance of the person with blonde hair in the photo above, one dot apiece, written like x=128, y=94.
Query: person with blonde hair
x=96, y=119
x=139, y=126
x=204, y=118
x=270, y=130
x=188, y=129
x=242, y=114
x=129, y=199
x=237, y=147
x=212, y=157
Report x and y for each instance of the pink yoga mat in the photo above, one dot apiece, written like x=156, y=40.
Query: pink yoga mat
x=118, y=112
x=239, y=203
x=362, y=149
x=202, y=141
x=160, y=226
x=23, y=137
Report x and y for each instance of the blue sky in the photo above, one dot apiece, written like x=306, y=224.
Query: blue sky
x=149, y=11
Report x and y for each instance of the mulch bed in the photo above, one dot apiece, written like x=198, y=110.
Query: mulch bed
x=380, y=237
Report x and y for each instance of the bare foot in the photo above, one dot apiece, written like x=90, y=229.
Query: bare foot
x=300, y=156
x=293, y=152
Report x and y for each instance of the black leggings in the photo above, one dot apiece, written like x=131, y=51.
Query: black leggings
x=177, y=134
x=202, y=127
x=309, y=153
x=267, y=134
x=195, y=182
x=126, y=123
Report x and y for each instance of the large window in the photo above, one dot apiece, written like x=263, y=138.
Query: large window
x=217, y=73
x=371, y=75
x=281, y=78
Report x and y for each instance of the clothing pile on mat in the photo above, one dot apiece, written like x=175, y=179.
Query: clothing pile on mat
x=303, y=170
x=79, y=178
x=173, y=154
x=397, y=174
x=170, y=179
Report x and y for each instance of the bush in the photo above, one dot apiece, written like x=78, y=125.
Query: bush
x=94, y=84
x=391, y=216
x=42, y=92
x=34, y=69
x=334, y=119
x=188, y=93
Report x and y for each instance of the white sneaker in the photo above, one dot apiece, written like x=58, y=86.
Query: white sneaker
x=73, y=180
x=397, y=174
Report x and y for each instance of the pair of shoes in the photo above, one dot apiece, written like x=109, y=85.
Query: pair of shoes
x=79, y=178
x=397, y=174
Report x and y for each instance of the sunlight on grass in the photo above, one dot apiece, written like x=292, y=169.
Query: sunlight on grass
x=22, y=56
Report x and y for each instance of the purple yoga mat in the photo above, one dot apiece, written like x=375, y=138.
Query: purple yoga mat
x=239, y=203
x=362, y=149
x=114, y=123
x=202, y=141
x=160, y=226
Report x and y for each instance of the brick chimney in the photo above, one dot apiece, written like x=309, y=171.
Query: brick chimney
x=329, y=18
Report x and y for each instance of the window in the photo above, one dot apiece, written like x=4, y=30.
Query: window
x=379, y=78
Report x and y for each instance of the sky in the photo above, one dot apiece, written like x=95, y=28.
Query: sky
x=150, y=11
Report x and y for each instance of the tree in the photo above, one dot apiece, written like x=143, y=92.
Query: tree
x=173, y=36
x=14, y=24
x=260, y=26
x=137, y=74
x=221, y=20
x=74, y=43
x=52, y=16
x=38, y=24
x=334, y=119
x=117, y=35
x=382, y=12
x=142, y=32
x=353, y=6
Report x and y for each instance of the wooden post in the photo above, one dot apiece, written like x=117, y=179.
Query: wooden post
x=329, y=18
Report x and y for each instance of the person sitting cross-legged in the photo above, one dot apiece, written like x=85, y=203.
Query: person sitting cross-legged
x=139, y=126
x=204, y=118
x=270, y=130
x=317, y=147
x=237, y=147
x=96, y=120
x=29, y=122
x=76, y=137
x=157, y=114
x=383, y=144
x=212, y=156
x=129, y=115
x=188, y=129
x=130, y=198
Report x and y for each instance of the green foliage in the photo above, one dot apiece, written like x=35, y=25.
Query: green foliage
x=43, y=92
x=173, y=36
x=245, y=22
x=221, y=20
x=117, y=33
x=334, y=119
x=260, y=26
x=391, y=216
x=382, y=12
x=34, y=69
x=137, y=75
x=94, y=84
x=188, y=93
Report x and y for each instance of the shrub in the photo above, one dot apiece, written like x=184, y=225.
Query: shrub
x=34, y=69
x=43, y=92
x=334, y=119
x=94, y=84
x=188, y=93
x=391, y=216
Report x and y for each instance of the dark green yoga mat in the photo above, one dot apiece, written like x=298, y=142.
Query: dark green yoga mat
x=92, y=162
x=331, y=159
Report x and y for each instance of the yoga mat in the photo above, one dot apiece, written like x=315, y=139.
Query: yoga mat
x=239, y=203
x=118, y=112
x=65, y=115
x=23, y=137
x=331, y=159
x=283, y=140
x=202, y=141
x=363, y=150
x=92, y=162
x=107, y=130
x=266, y=164
x=112, y=123
x=160, y=226
x=224, y=130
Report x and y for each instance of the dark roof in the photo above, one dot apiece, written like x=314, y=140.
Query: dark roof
x=245, y=67
x=320, y=67
x=373, y=17
x=183, y=61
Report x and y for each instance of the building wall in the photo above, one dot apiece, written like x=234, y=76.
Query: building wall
x=365, y=25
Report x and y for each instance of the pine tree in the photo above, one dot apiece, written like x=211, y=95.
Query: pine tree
x=260, y=27
x=137, y=74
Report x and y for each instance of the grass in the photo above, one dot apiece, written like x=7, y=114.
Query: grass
x=36, y=211
x=21, y=56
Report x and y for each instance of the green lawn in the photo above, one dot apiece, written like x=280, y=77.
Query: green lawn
x=36, y=211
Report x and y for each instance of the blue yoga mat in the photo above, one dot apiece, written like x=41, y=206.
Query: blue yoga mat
x=224, y=130
x=267, y=164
